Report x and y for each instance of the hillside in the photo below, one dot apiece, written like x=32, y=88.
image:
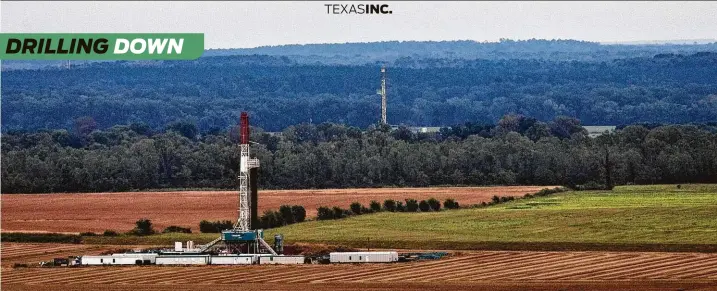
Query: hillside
x=278, y=92
x=651, y=217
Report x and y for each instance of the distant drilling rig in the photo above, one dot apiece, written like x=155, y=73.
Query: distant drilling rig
x=382, y=92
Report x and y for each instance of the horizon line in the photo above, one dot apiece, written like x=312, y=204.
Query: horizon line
x=699, y=41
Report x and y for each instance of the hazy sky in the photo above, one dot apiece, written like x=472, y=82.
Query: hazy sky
x=251, y=24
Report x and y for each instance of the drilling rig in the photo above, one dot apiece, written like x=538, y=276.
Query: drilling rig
x=245, y=237
x=382, y=92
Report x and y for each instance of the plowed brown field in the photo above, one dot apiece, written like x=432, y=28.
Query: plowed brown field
x=80, y=212
x=31, y=253
x=474, y=271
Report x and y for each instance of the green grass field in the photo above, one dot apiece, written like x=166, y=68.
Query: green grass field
x=635, y=218
x=629, y=217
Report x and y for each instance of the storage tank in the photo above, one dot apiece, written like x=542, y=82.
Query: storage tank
x=363, y=257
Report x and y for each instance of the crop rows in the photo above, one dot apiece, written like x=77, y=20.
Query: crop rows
x=14, y=250
x=481, y=266
x=119, y=211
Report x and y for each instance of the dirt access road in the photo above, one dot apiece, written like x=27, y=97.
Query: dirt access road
x=96, y=212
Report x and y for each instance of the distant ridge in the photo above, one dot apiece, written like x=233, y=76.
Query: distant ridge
x=662, y=42
x=405, y=53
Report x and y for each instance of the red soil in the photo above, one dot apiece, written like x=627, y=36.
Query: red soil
x=485, y=270
x=80, y=212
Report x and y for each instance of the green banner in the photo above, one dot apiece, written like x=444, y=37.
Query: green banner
x=101, y=46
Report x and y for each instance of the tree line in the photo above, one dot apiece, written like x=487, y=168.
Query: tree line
x=518, y=150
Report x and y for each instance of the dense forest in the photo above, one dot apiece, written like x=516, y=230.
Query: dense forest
x=278, y=92
x=508, y=110
x=516, y=150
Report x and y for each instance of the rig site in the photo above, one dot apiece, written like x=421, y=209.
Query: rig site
x=244, y=244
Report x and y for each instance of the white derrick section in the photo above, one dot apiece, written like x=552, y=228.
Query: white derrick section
x=245, y=164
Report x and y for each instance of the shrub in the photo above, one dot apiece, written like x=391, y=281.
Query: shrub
x=591, y=186
x=389, y=205
x=287, y=216
x=495, y=199
x=299, y=213
x=143, y=227
x=206, y=226
x=450, y=204
x=411, y=205
x=504, y=199
x=340, y=212
x=214, y=226
x=356, y=208
x=375, y=206
x=88, y=234
x=434, y=204
x=424, y=206
x=546, y=191
x=365, y=210
x=324, y=213
x=270, y=219
x=110, y=233
x=400, y=207
x=179, y=229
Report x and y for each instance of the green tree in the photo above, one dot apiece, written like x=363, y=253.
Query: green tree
x=286, y=214
x=411, y=205
x=424, y=206
x=375, y=206
x=185, y=128
x=434, y=204
x=451, y=204
x=299, y=213
x=143, y=227
x=389, y=205
x=324, y=213
x=339, y=212
x=356, y=208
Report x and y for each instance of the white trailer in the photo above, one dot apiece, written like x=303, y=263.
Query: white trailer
x=363, y=257
x=109, y=260
x=95, y=260
x=233, y=260
x=183, y=260
x=146, y=258
x=119, y=259
x=281, y=260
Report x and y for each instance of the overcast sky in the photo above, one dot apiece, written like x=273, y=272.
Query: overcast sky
x=251, y=24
